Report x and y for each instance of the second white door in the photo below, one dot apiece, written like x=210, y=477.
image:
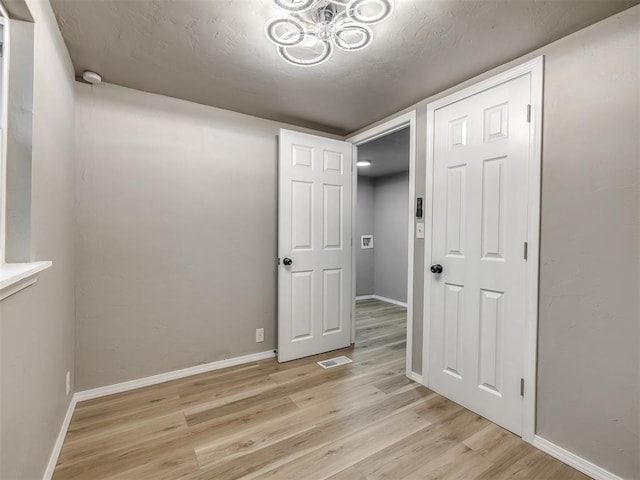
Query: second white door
x=478, y=301
x=314, y=244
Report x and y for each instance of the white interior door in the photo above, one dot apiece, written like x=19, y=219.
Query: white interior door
x=478, y=302
x=314, y=245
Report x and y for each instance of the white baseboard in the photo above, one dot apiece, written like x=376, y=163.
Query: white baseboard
x=573, y=460
x=416, y=377
x=364, y=297
x=382, y=299
x=174, y=375
x=57, y=447
x=390, y=300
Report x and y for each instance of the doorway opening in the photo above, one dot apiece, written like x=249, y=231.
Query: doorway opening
x=383, y=232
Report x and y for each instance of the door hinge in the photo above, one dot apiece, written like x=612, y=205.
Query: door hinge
x=529, y=113
x=526, y=250
x=522, y=387
x=278, y=261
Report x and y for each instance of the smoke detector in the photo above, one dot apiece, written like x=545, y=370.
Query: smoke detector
x=91, y=77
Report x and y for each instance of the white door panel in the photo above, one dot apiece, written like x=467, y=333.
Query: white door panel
x=314, y=232
x=478, y=308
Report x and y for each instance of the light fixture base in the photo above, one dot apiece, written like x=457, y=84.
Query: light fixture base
x=312, y=29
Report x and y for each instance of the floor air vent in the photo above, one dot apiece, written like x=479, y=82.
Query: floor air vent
x=334, y=362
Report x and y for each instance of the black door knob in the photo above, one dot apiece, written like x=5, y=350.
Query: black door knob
x=437, y=268
x=287, y=261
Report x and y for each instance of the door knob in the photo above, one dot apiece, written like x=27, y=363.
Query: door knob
x=287, y=261
x=437, y=268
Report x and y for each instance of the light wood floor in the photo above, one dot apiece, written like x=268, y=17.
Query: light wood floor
x=365, y=420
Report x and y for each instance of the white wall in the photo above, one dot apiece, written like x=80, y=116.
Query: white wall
x=37, y=324
x=176, y=234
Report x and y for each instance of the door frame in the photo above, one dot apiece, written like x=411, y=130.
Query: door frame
x=535, y=68
x=385, y=128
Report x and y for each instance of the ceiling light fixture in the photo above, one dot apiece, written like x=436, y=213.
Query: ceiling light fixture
x=363, y=163
x=312, y=29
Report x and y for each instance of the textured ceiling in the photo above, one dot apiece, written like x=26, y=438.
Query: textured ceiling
x=388, y=154
x=215, y=52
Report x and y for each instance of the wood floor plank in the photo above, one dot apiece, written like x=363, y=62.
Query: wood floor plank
x=335, y=456
x=331, y=423
x=296, y=421
x=349, y=473
x=122, y=437
x=235, y=423
x=79, y=429
x=279, y=428
x=493, y=442
x=174, y=466
x=456, y=463
x=406, y=457
x=360, y=383
x=107, y=464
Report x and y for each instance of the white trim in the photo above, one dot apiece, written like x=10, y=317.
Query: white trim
x=364, y=297
x=168, y=376
x=397, y=123
x=573, y=460
x=394, y=302
x=57, y=447
x=354, y=197
x=4, y=120
x=535, y=69
x=16, y=276
x=384, y=129
x=416, y=377
x=382, y=299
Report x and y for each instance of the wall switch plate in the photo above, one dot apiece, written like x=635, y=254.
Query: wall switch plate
x=259, y=335
x=420, y=230
x=68, y=382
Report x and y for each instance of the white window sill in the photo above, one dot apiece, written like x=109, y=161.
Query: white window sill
x=16, y=276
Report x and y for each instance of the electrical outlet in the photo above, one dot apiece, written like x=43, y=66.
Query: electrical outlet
x=259, y=335
x=68, y=382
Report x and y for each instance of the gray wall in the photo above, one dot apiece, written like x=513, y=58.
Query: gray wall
x=37, y=324
x=391, y=236
x=365, y=207
x=176, y=234
x=589, y=375
x=382, y=210
x=18, y=146
x=588, y=369
x=2, y=35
